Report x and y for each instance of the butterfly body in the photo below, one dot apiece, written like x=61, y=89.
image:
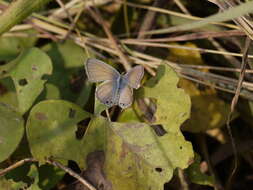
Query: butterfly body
x=116, y=89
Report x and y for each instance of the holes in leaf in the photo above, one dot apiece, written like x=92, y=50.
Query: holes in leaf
x=74, y=166
x=72, y=113
x=81, y=128
x=159, y=130
x=180, y=147
x=22, y=82
x=4, y=72
x=159, y=170
x=3, y=89
x=148, y=108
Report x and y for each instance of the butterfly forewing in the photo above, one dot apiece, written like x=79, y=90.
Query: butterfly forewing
x=98, y=71
x=107, y=93
x=134, y=76
x=125, y=95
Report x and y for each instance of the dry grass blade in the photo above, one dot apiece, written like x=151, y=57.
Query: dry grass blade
x=97, y=16
x=232, y=13
x=201, y=50
x=242, y=21
x=192, y=36
x=169, y=12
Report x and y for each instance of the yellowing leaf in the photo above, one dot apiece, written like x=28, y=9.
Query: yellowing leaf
x=208, y=111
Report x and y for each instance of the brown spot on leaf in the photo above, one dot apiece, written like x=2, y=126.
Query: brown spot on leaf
x=124, y=151
x=34, y=67
x=40, y=116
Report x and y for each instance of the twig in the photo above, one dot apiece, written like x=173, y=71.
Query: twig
x=182, y=7
x=98, y=18
x=233, y=104
x=15, y=165
x=202, y=142
x=72, y=173
x=181, y=176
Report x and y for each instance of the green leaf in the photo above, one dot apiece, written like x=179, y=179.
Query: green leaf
x=95, y=136
x=128, y=115
x=66, y=55
x=10, y=47
x=32, y=66
x=196, y=176
x=68, y=63
x=8, y=94
x=49, y=176
x=51, y=128
x=147, y=159
x=34, y=175
x=11, y=131
x=173, y=104
x=11, y=185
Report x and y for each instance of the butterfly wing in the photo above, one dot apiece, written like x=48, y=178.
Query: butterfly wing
x=125, y=95
x=107, y=93
x=134, y=76
x=98, y=71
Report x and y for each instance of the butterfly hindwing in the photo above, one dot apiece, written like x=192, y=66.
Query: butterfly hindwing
x=133, y=77
x=125, y=95
x=107, y=93
x=98, y=71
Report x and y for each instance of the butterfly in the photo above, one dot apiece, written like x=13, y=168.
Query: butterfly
x=116, y=89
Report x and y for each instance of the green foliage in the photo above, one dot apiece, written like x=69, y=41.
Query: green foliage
x=10, y=47
x=51, y=130
x=45, y=94
x=11, y=130
x=67, y=59
x=169, y=96
x=144, y=156
x=30, y=73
